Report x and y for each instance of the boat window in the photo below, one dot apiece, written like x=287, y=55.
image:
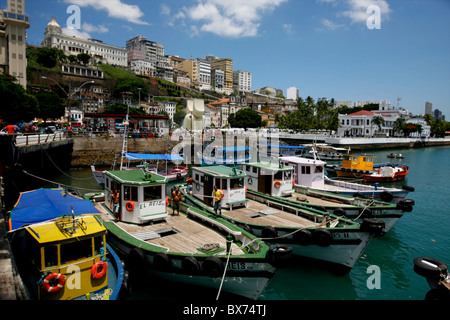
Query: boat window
x=366, y=159
x=76, y=250
x=306, y=170
x=130, y=193
x=51, y=256
x=197, y=178
x=255, y=170
x=236, y=183
x=98, y=244
x=355, y=158
x=287, y=175
x=152, y=193
x=318, y=169
x=348, y=158
x=278, y=175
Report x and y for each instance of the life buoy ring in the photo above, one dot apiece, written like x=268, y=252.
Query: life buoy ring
x=167, y=201
x=293, y=182
x=53, y=282
x=129, y=206
x=277, y=184
x=98, y=270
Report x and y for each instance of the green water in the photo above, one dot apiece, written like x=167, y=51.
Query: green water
x=422, y=232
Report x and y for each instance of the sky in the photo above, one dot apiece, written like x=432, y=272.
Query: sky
x=357, y=50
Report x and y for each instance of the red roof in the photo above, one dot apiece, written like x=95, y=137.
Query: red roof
x=221, y=101
x=362, y=113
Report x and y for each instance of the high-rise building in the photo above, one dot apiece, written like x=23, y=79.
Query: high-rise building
x=428, y=108
x=13, y=25
x=292, y=93
x=242, y=81
x=226, y=65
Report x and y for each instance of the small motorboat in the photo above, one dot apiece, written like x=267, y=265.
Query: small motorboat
x=395, y=156
x=387, y=174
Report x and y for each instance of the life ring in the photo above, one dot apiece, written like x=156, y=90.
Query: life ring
x=277, y=184
x=98, y=270
x=167, y=201
x=129, y=206
x=49, y=282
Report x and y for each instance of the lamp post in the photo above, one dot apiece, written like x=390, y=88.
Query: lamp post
x=67, y=94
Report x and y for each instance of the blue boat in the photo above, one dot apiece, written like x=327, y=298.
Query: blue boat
x=219, y=155
x=62, y=255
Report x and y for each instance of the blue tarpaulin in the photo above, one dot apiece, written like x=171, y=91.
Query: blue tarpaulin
x=286, y=147
x=150, y=156
x=46, y=204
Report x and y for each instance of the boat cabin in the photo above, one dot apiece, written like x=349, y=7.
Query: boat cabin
x=61, y=256
x=142, y=195
x=269, y=178
x=230, y=180
x=361, y=162
x=307, y=172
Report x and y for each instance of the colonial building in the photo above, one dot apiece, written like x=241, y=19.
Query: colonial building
x=71, y=45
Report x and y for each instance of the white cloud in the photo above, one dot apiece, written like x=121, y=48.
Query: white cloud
x=114, y=8
x=357, y=9
x=91, y=28
x=230, y=18
x=288, y=29
x=165, y=10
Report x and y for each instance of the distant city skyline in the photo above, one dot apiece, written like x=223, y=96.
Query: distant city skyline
x=325, y=48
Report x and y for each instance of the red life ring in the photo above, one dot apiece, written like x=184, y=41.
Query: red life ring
x=98, y=270
x=293, y=182
x=277, y=184
x=167, y=201
x=49, y=287
x=130, y=206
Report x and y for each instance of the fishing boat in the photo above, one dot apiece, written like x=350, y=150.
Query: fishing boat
x=172, y=173
x=62, y=255
x=189, y=248
x=309, y=173
x=436, y=273
x=220, y=155
x=324, y=152
x=275, y=182
x=395, y=156
x=387, y=174
x=310, y=233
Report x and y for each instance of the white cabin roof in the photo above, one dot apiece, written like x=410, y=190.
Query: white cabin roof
x=301, y=160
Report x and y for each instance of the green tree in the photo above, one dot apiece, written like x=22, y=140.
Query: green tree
x=179, y=116
x=398, y=125
x=378, y=121
x=131, y=85
x=245, y=118
x=50, y=104
x=84, y=58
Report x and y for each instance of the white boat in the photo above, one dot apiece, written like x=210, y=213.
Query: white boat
x=310, y=173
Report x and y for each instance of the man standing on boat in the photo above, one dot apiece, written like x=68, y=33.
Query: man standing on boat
x=176, y=199
x=189, y=182
x=217, y=195
x=116, y=203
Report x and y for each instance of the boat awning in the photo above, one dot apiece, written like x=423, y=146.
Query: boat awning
x=234, y=149
x=151, y=156
x=46, y=204
x=286, y=147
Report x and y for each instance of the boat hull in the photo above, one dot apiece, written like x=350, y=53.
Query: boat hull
x=244, y=276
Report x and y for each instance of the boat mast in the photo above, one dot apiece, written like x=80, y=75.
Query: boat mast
x=125, y=138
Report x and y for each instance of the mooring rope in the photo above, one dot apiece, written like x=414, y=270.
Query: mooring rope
x=224, y=272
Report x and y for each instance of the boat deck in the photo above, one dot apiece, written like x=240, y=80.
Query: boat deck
x=300, y=197
x=260, y=213
x=177, y=233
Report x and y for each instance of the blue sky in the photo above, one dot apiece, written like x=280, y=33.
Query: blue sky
x=323, y=47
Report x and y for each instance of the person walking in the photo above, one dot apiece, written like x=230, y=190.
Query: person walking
x=176, y=199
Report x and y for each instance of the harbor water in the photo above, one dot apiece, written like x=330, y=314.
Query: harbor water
x=385, y=269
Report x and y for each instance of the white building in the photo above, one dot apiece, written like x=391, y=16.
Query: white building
x=204, y=74
x=13, y=25
x=143, y=68
x=169, y=107
x=242, y=81
x=292, y=93
x=71, y=45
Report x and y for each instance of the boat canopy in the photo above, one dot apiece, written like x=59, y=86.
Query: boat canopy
x=286, y=147
x=151, y=156
x=45, y=204
x=234, y=149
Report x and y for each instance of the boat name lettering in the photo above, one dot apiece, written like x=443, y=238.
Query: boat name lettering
x=151, y=204
x=237, y=266
x=341, y=235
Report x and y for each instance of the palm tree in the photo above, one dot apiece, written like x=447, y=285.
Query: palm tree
x=398, y=125
x=378, y=121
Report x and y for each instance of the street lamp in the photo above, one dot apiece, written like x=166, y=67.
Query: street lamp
x=67, y=94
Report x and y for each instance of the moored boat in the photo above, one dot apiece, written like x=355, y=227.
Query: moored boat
x=310, y=233
x=190, y=247
x=276, y=183
x=60, y=255
x=387, y=173
x=310, y=173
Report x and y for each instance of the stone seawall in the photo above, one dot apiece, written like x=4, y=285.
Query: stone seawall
x=102, y=151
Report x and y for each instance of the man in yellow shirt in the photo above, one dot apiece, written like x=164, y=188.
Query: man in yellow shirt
x=218, y=195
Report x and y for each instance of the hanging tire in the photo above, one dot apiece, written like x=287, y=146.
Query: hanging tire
x=303, y=237
x=322, y=237
x=213, y=266
x=339, y=212
x=279, y=255
x=386, y=196
x=375, y=226
x=408, y=188
x=161, y=261
x=269, y=232
x=358, y=195
x=430, y=268
x=190, y=265
x=406, y=205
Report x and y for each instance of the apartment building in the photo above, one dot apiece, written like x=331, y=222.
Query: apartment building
x=242, y=81
x=13, y=25
x=226, y=65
